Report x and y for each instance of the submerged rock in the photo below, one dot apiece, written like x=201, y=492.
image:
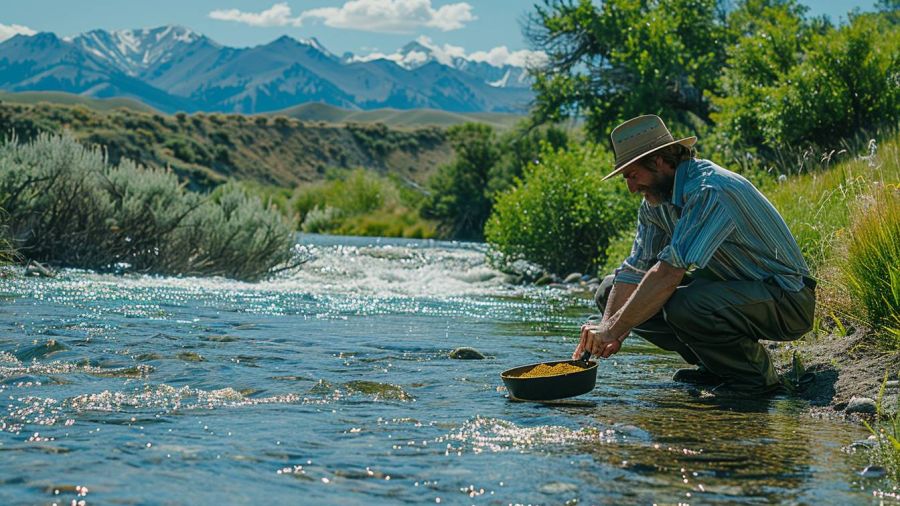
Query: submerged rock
x=466, y=354
x=38, y=269
x=873, y=472
x=575, y=277
x=378, y=390
x=863, y=405
x=30, y=353
x=190, y=356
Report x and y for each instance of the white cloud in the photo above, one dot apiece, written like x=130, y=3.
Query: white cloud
x=500, y=56
x=386, y=16
x=9, y=31
x=277, y=15
x=446, y=53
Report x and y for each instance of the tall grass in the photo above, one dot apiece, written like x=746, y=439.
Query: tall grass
x=845, y=221
x=872, y=269
x=69, y=207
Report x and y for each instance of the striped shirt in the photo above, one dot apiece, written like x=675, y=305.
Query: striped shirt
x=717, y=221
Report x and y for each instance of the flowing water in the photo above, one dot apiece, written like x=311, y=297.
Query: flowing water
x=332, y=385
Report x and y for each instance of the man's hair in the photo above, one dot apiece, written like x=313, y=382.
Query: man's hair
x=672, y=155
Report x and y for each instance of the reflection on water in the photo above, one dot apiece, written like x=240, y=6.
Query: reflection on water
x=333, y=385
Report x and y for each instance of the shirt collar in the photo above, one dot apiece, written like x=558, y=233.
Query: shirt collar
x=680, y=177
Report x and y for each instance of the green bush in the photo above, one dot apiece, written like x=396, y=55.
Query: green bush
x=559, y=215
x=792, y=83
x=619, y=249
x=360, y=203
x=69, y=207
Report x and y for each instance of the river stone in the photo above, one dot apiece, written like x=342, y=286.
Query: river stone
x=558, y=487
x=545, y=279
x=573, y=278
x=466, y=354
x=38, y=269
x=873, y=472
x=861, y=405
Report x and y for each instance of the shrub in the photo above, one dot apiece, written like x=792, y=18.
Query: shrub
x=560, y=213
x=792, y=83
x=69, y=207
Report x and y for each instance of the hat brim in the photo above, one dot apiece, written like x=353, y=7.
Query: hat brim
x=686, y=142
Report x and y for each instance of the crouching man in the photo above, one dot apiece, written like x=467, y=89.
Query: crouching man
x=713, y=269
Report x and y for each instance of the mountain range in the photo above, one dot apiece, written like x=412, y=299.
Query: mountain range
x=173, y=69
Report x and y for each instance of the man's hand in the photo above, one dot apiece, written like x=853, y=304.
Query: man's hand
x=597, y=340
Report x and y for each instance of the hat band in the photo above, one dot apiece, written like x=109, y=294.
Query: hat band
x=649, y=146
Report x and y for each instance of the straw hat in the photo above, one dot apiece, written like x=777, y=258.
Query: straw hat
x=639, y=137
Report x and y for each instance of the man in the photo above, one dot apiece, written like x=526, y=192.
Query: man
x=713, y=268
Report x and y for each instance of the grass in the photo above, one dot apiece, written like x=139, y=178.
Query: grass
x=845, y=220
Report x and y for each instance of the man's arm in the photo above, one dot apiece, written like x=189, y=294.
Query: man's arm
x=618, y=296
x=643, y=302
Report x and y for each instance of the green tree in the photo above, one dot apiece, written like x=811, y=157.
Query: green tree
x=460, y=199
x=628, y=57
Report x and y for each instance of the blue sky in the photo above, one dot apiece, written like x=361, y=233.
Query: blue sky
x=340, y=25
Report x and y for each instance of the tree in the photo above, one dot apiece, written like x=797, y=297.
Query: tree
x=627, y=57
x=460, y=199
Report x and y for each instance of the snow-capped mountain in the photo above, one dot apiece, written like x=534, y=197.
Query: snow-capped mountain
x=173, y=68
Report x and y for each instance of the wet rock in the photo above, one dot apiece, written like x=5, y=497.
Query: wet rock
x=863, y=405
x=558, y=285
x=873, y=472
x=378, y=390
x=466, y=354
x=558, y=487
x=545, y=279
x=190, y=356
x=38, y=269
x=321, y=387
x=573, y=278
x=219, y=338
x=592, y=281
x=41, y=350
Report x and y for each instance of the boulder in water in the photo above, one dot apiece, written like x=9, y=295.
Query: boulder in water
x=38, y=269
x=575, y=277
x=466, y=354
x=863, y=405
x=41, y=350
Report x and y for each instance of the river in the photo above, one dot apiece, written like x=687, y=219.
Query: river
x=332, y=385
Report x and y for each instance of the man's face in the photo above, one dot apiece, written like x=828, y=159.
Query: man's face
x=655, y=185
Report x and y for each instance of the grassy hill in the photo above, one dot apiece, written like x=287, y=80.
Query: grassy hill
x=55, y=97
x=396, y=117
x=206, y=149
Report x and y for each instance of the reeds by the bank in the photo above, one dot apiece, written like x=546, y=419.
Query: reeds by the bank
x=68, y=206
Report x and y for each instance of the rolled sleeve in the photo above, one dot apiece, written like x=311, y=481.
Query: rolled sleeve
x=648, y=242
x=704, y=225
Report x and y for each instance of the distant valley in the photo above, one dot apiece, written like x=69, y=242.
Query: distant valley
x=174, y=69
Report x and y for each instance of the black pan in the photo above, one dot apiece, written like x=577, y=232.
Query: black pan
x=548, y=388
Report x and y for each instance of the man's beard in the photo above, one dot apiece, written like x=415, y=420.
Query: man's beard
x=660, y=190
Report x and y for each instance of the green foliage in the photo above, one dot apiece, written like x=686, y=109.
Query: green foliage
x=68, y=206
x=619, y=249
x=206, y=149
x=460, y=199
x=621, y=58
x=886, y=429
x=873, y=259
x=559, y=213
x=462, y=193
x=790, y=82
x=359, y=203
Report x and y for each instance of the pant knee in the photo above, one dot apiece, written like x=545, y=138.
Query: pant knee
x=602, y=294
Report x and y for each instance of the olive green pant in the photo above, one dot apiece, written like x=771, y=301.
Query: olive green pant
x=719, y=324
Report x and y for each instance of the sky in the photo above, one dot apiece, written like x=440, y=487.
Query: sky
x=491, y=29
